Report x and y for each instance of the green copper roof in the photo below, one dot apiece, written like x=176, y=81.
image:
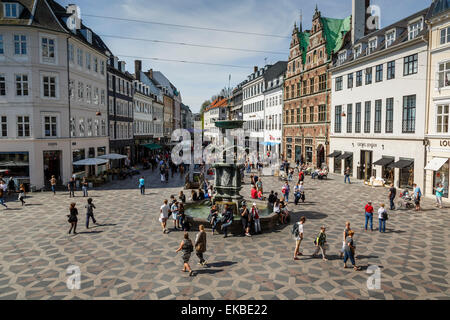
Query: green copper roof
x=303, y=39
x=335, y=31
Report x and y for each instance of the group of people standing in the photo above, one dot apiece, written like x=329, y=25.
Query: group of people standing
x=10, y=188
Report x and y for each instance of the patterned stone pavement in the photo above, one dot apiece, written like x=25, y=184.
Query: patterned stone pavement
x=128, y=257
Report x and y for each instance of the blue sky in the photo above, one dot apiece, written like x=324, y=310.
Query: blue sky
x=199, y=82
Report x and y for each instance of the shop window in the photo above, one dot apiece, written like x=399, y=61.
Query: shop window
x=441, y=177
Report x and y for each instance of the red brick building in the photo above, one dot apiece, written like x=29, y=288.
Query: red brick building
x=307, y=94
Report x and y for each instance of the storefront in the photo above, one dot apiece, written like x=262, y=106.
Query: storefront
x=387, y=172
x=17, y=166
x=406, y=169
x=337, y=167
x=440, y=170
x=347, y=158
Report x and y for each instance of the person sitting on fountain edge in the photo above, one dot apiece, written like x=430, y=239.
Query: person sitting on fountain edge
x=227, y=219
x=254, y=193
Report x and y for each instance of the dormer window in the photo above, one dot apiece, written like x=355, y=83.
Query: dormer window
x=414, y=29
x=358, y=51
x=390, y=38
x=89, y=36
x=342, y=57
x=11, y=10
x=372, y=45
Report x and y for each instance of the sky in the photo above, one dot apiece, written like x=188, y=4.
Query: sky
x=198, y=83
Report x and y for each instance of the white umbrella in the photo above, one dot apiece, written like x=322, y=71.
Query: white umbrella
x=90, y=162
x=113, y=156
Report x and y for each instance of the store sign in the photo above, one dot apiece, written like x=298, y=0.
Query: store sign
x=367, y=145
x=444, y=143
x=52, y=144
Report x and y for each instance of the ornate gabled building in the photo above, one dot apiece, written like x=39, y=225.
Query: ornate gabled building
x=307, y=89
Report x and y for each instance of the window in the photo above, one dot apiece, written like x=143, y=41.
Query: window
x=89, y=127
x=80, y=57
x=410, y=65
x=442, y=119
x=103, y=127
x=21, y=85
x=298, y=115
x=389, y=115
x=96, y=95
x=49, y=86
x=2, y=85
x=3, y=126
x=2, y=49
x=305, y=86
x=358, y=118
x=337, y=119
x=311, y=114
x=350, y=81
x=103, y=97
x=88, y=93
x=292, y=116
x=377, y=116
x=72, y=127
x=372, y=45
x=88, y=60
x=71, y=53
x=391, y=70
x=414, y=29
x=322, y=82
x=81, y=127
x=444, y=75
x=338, y=83
x=379, y=73
x=342, y=57
x=349, y=118
x=358, y=51
x=95, y=64
x=102, y=67
x=50, y=126
x=368, y=76
x=11, y=10
x=80, y=91
x=20, y=44
x=48, y=49
x=311, y=86
x=445, y=35
x=304, y=115
x=23, y=126
x=409, y=114
x=367, y=115
x=390, y=38
x=322, y=113
x=359, y=78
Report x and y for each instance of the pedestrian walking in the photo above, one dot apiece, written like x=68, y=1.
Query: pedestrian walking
x=166, y=174
x=382, y=217
x=271, y=201
x=200, y=245
x=142, y=185
x=245, y=217
x=164, y=215
x=417, y=196
x=53, y=184
x=71, y=187
x=297, y=231
x=286, y=190
x=392, y=194
x=175, y=212
x=73, y=219
x=213, y=218
x=369, y=215
x=227, y=219
x=439, y=193
x=90, y=212
x=345, y=233
x=255, y=218
x=347, y=175
x=162, y=172
x=11, y=186
x=2, y=194
x=321, y=242
x=188, y=248
x=349, y=251
x=22, y=194
x=84, y=187
x=301, y=176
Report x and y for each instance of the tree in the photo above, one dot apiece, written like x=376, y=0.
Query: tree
x=204, y=105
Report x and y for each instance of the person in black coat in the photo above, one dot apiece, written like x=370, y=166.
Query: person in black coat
x=73, y=219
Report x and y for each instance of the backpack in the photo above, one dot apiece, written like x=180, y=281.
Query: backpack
x=295, y=230
x=385, y=216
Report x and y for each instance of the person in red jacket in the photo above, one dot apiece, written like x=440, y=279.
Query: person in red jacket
x=301, y=176
x=254, y=193
x=369, y=215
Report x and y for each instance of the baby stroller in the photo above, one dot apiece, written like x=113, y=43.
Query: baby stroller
x=406, y=200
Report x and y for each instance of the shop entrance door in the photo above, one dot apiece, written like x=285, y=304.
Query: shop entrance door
x=298, y=153
x=52, y=166
x=320, y=156
x=365, y=165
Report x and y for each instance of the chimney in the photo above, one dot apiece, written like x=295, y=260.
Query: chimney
x=150, y=73
x=116, y=63
x=359, y=19
x=255, y=69
x=138, y=69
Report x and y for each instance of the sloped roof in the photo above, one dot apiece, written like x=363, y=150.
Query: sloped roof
x=438, y=7
x=163, y=81
x=275, y=71
x=219, y=102
x=335, y=31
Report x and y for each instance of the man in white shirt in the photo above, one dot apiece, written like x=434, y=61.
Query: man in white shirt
x=298, y=234
x=164, y=215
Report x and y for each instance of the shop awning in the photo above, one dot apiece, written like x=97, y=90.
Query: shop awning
x=152, y=146
x=334, y=154
x=401, y=164
x=383, y=162
x=90, y=162
x=113, y=156
x=436, y=163
x=346, y=155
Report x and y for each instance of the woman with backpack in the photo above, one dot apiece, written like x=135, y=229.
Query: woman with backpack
x=188, y=248
x=382, y=217
x=297, y=231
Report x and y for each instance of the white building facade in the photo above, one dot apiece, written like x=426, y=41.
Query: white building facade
x=52, y=94
x=379, y=104
x=253, y=104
